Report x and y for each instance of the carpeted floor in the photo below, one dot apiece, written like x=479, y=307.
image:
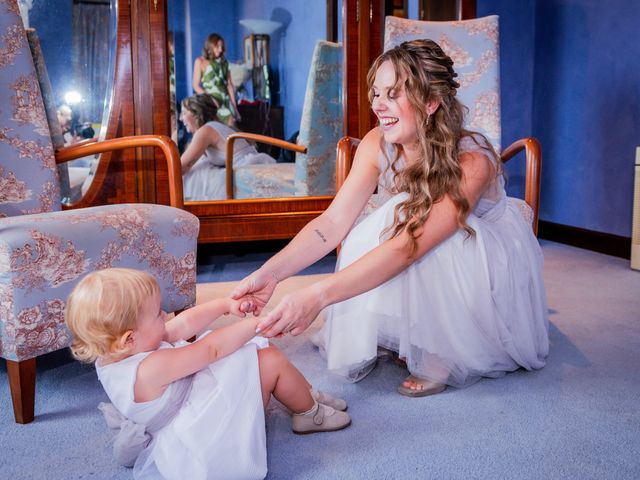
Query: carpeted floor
x=579, y=417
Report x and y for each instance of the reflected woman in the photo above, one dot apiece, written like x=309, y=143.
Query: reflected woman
x=211, y=75
x=204, y=160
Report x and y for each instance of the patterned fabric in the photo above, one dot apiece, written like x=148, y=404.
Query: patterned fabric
x=214, y=82
x=473, y=46
x=28, y=175
x=44, y=252
x=523, y=207
x=43, y=256
x=322, y=122
x=313, y=173
x=264, y=181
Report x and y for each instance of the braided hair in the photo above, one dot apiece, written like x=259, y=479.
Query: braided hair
x=426, y=73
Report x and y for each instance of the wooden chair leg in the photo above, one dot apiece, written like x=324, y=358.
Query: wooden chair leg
x=22, y=383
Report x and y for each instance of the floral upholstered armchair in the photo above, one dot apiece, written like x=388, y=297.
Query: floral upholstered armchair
x=313, y=172
x=44, y=251
x=473, y=47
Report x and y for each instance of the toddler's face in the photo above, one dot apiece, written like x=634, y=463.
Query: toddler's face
x=150, y=328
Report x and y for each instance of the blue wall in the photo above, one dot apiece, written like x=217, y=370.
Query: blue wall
x=570, y=76
x=290, y=49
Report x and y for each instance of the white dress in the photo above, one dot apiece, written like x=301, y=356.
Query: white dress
x=472, y=307
x=209, y=425
x=206, y=179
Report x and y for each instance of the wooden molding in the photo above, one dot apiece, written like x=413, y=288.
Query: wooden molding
x=607, y=243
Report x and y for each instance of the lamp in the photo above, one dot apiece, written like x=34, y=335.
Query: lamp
x=260, y=27
x=256, y=54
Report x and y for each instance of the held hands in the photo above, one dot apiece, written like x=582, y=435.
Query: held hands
x=295, y=312
x=254, y=291
x=234, y=307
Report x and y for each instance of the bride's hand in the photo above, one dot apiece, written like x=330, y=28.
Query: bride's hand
x=295, y=312
x=255, y=291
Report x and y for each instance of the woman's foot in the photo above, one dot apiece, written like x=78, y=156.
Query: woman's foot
x=419, y=387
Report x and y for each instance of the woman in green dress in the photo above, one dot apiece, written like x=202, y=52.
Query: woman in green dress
x=211, y=75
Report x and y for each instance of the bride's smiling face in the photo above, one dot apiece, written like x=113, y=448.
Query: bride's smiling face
x=390, y=103
x=189, y=120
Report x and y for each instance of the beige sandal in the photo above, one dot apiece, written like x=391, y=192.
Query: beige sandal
x=428, y=387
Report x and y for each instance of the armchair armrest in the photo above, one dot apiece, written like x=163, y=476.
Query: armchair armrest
x=533, y=159
x=256, y=138
x=170, y=150
x=345, y=151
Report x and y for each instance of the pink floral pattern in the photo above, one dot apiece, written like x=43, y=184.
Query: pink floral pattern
x=10, y=44
x=473, y=46
x=11, y=6
x=186, y=227
x=43, y=253
x=12, y=190
x=47, y=262
x=486, y=114
x=27, y=104
x=41, y=329
x=43, y=266
x=30, y=149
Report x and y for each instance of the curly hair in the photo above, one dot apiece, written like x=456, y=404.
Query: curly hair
x=103, y=306
x=203, y=106
x=426, y=73
x=212, y=40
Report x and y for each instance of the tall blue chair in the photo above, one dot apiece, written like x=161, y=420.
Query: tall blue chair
x=44, y=251
x=473, y=47
x=321, y=126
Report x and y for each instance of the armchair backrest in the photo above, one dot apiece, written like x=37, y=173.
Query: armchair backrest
x=473, y=46
x=322, y=122
x=29, y=181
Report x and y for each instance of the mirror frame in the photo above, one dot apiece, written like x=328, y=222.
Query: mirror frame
x=140, y=175
x=114, y=180
x=220, y=220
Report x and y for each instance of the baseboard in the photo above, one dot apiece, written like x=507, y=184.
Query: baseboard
x=607, y=243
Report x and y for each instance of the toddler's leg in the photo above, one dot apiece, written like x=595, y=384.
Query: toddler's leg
x=288, y=385
x=280, y=377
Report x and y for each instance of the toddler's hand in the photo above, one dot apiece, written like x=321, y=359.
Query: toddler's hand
x=236, y=308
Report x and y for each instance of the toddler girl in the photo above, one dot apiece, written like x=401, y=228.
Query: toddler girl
x=201, y=403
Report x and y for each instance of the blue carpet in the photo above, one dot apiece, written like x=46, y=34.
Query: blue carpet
x=578, y=418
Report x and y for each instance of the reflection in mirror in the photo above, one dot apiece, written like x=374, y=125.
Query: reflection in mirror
x=74, y=44
x=258, y=69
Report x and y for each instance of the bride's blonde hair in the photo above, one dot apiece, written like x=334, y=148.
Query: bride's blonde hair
x=103, y=306
x=426, y=73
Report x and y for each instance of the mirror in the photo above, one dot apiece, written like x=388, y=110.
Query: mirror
x=269, y=51
x=77, y=41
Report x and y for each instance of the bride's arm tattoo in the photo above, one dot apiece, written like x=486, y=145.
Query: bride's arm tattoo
x=320, y=235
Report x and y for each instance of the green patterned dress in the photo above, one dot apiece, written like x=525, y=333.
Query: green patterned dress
x=214, y=82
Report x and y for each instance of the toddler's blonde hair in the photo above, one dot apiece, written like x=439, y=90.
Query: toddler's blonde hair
x=103, y=306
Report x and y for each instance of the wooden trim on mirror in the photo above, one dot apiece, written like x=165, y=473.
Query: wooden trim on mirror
x=255, y=219
x=114, y=178
x=362, y=33
x=221, y=220
x=164, y=143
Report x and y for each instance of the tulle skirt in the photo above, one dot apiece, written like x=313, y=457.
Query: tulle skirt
x=219, y=432
x=472, y=307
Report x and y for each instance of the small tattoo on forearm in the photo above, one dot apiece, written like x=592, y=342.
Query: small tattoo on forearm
x=320, y=235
